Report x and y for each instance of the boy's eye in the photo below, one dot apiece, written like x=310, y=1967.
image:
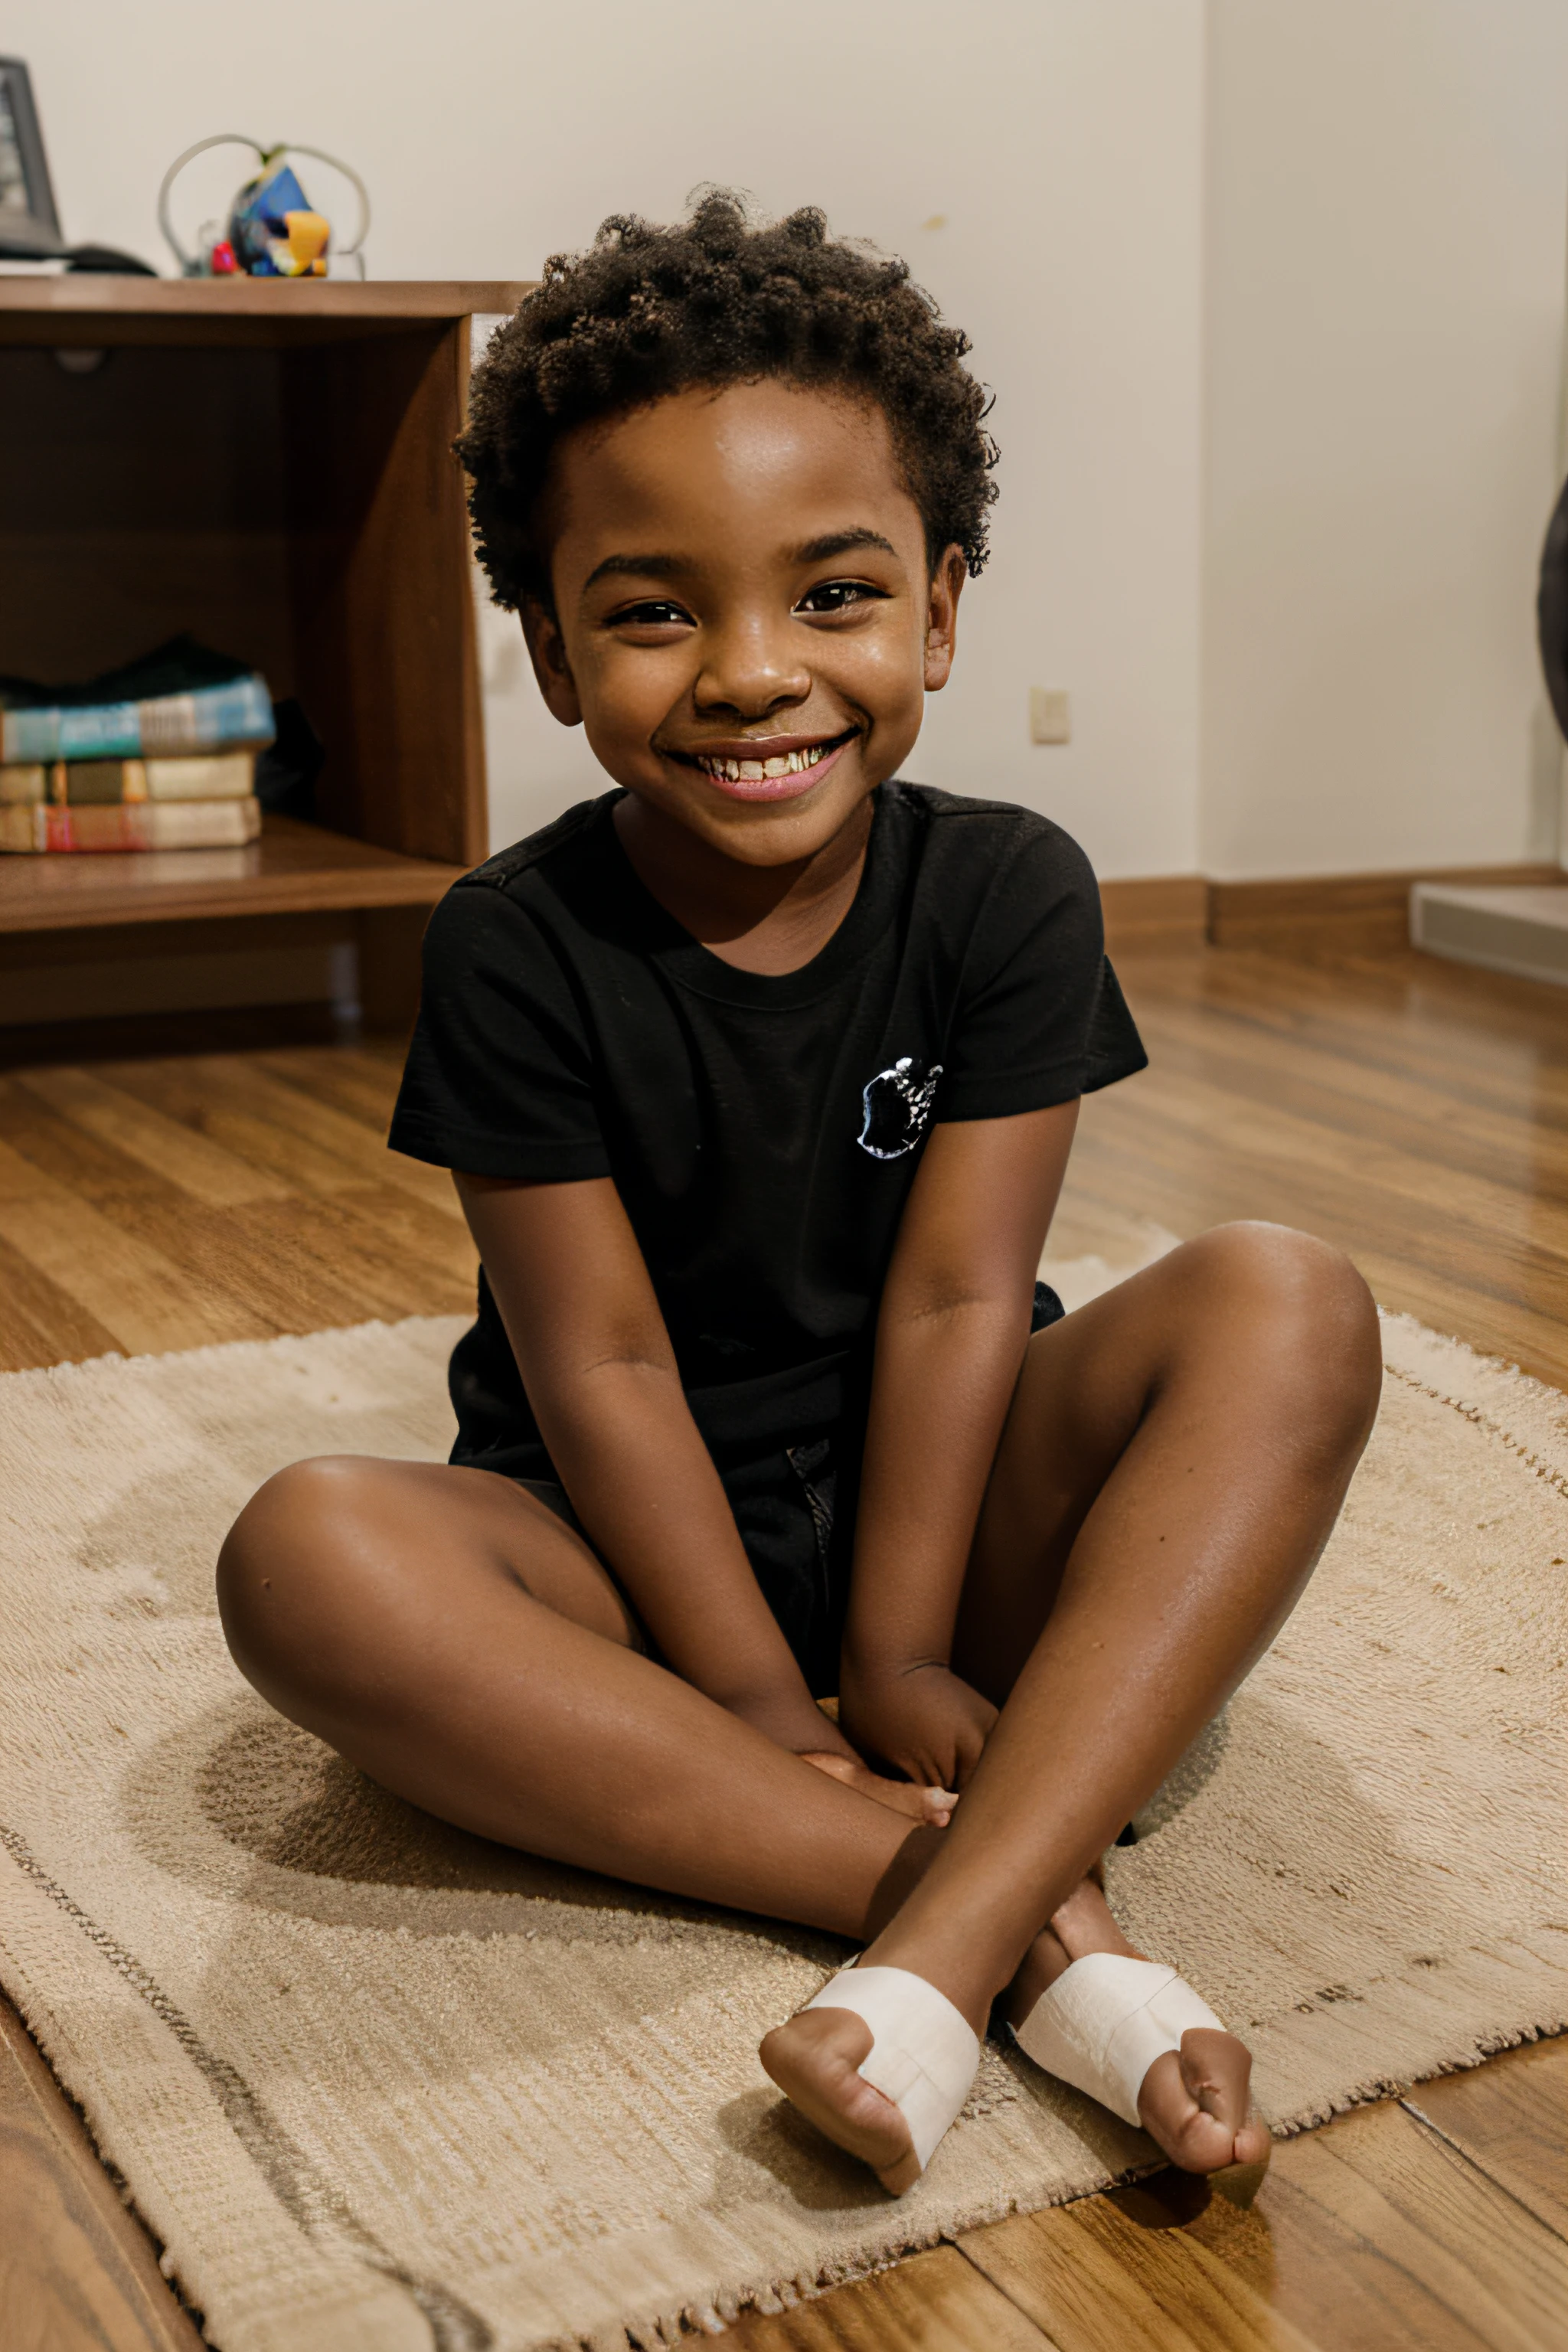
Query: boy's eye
x=650, y=613
x=838, y=596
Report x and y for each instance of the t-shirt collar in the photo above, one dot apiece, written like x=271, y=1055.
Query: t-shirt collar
x=686, y=959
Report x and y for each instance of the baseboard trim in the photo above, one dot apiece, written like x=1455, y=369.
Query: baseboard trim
x=1331, y=914
x=1168, y=910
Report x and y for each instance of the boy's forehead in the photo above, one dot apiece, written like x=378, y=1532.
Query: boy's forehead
x=704, y=459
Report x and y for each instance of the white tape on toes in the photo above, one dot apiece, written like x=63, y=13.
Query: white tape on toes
x=1105, y=2020
x=923, y=2053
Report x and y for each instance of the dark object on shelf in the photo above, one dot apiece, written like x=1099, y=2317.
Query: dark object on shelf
x=286, y=771
x=179, y=666
x=30, y=220
x=1552, y=609
x=30, y=225
x=107, y=261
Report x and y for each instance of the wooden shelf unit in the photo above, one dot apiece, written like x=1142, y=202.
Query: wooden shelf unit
x=294, y=868
x=268, y=464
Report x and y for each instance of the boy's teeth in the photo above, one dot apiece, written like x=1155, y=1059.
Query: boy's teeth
x=752, y=772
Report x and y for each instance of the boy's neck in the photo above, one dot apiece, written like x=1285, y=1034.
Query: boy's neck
x=762, y=919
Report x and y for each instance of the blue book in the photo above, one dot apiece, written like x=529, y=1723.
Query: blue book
x=180, y=699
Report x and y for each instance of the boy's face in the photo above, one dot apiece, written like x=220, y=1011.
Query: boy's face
x=746, y=626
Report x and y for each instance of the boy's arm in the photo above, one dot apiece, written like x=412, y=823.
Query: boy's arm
x=596, y=1359
x=950, y=1333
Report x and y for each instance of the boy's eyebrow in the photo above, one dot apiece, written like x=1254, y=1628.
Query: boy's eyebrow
x=816, y=551
x=639, y=566
x=842, y=543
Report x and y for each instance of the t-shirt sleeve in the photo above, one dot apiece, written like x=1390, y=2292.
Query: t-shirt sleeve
x=499, y=1076
x=1041, y=1018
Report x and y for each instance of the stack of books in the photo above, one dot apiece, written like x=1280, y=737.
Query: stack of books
x=115, y=766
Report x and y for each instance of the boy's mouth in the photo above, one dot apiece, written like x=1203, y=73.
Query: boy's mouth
x=776, y=769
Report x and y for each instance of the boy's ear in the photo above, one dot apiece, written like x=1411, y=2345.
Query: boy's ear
x=547, y=652
x=947, y=579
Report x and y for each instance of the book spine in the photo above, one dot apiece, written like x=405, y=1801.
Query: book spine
x=23, y=785
x=105, y=827
x=213, y=717
x=23, y=829
x=216, y=776
x=104, y=731
x=206, y=719
x=129, y=825
x=84, y=784
x=199, y=824
x=97, y=783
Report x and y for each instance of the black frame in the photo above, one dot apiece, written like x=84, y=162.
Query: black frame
x=36, y=232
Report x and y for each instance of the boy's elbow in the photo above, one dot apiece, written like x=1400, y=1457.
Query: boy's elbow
x=958, y=1304
x=626, y=1360
x=587, y=1381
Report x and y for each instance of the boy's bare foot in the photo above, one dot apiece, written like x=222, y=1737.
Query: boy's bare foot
x=817, y=2057
x=1193, y=2102
x=815, y=2060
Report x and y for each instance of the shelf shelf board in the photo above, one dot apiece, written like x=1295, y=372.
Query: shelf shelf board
x=87, y=309
x=294, y=868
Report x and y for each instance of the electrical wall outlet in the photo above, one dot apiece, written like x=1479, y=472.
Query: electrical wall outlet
x=1050, y=715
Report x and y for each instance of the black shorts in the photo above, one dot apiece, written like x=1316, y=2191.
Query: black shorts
x=794, y=1508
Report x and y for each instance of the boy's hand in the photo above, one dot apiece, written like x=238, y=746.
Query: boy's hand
x=924, y=1720
x=930, y=1805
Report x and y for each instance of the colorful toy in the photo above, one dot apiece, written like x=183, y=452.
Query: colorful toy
x=273, y=230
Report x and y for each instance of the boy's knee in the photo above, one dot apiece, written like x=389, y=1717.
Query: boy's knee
x=284, y=1566
x=1310, y=1317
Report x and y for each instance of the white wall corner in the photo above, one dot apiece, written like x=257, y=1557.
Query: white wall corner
x=1384, y=245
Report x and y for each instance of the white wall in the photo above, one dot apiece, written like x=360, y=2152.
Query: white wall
x=1342, y=585
x=1387, y=198
x=1058, y=140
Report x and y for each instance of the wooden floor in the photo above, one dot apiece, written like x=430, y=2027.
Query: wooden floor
x=1413, y=1113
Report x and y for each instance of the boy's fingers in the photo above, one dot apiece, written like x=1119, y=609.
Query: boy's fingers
x=900, y=1797
x=933, y=1806
x=907, y=1797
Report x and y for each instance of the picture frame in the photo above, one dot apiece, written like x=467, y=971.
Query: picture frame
x=29, y=224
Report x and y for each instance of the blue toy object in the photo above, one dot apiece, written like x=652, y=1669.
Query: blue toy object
x=274, y=231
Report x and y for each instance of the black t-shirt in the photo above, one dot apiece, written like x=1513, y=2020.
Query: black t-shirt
x=762, y=1129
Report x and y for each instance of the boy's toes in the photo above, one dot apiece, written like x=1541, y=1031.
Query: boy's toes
x=814, y=2059
x=1194, y=2103
x=1170, y=2114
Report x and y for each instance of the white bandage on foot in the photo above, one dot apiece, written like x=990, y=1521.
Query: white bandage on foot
x=925, y=2053
x=1105, y=2020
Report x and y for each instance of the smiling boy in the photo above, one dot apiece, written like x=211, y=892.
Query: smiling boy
x=758, y=1076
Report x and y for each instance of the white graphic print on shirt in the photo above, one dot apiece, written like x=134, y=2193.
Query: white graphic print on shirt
x=898, y=1107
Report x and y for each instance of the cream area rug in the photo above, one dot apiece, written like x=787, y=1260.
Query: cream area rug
x=378, y=2086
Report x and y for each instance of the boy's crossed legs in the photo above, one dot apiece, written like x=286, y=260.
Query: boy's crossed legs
x=1173, y=1463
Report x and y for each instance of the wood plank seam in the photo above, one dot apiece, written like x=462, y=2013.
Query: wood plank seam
x=1485, y=2172
x=1001, y=2288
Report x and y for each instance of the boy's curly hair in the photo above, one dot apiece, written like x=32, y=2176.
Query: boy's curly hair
x=649, y=310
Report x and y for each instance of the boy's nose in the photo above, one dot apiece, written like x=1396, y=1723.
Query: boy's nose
x=750, y=668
